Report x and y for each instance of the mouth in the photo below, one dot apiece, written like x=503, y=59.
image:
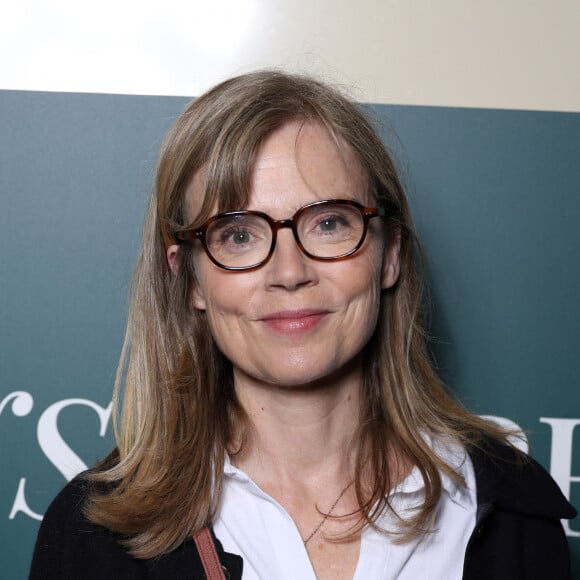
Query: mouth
x=294, y=321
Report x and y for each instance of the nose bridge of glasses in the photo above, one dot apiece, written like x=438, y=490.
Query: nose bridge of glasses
x=289, y=223
x=285, y=223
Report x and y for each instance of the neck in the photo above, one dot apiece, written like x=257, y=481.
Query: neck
x=300, y=433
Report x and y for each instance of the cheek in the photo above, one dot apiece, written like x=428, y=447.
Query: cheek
x=364, y=309
x=225, y=298
x=366, y=273
x=224, y=323
x=362, y=293
x=214, y=289
x=222, y=305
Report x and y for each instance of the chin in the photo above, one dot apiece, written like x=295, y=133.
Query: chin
x=308, y=375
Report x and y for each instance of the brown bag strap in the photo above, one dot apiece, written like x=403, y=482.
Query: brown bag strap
x=208, y=554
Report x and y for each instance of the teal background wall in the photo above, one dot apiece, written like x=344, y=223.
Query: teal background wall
x=496, y=200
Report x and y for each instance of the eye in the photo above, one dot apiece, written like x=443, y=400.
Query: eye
x=331, y=223
x=237, y=236
x=238, y=233
x=328, y=224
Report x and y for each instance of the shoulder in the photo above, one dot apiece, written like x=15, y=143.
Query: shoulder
x=68, y=503
x=65, y=515
x=511, y=480
x=69, y=545
x=65, y=511
x=518, y=533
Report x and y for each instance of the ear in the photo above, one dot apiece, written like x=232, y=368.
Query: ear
x=172, y=259
x=391, y=260
x=197, y=298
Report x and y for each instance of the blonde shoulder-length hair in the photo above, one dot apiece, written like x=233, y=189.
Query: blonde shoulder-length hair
x=174, y=399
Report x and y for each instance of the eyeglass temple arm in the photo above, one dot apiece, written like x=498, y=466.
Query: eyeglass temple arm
x=188, y=235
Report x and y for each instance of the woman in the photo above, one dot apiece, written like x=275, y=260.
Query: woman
x=275, y=383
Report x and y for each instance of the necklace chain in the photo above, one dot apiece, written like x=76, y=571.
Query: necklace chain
x=326, y=515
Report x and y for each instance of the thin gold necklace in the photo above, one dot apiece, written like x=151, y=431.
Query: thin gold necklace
x=326, y=515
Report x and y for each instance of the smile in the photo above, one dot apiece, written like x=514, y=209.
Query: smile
x=294, y=321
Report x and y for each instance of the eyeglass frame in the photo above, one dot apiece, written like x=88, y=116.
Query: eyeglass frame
x=199, y=233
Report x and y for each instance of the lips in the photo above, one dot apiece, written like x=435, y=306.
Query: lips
x=294, y=321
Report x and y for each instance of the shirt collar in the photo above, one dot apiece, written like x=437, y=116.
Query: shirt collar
x=455, y=456
x=230, y=470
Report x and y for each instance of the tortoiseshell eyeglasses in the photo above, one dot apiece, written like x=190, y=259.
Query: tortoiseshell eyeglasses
x=326, y=230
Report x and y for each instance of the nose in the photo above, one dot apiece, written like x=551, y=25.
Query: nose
x=289, y=268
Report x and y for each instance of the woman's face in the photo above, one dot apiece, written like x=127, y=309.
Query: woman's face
x=295, y=321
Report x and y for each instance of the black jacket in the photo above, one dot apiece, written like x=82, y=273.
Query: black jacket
x=518, y=535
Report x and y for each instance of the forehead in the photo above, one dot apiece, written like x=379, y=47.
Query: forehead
x=302, y=162
x=297, y=163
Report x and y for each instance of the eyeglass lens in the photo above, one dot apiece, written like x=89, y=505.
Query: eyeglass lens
x=325, y=231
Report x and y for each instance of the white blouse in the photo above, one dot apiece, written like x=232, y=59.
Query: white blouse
x=253, y=525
